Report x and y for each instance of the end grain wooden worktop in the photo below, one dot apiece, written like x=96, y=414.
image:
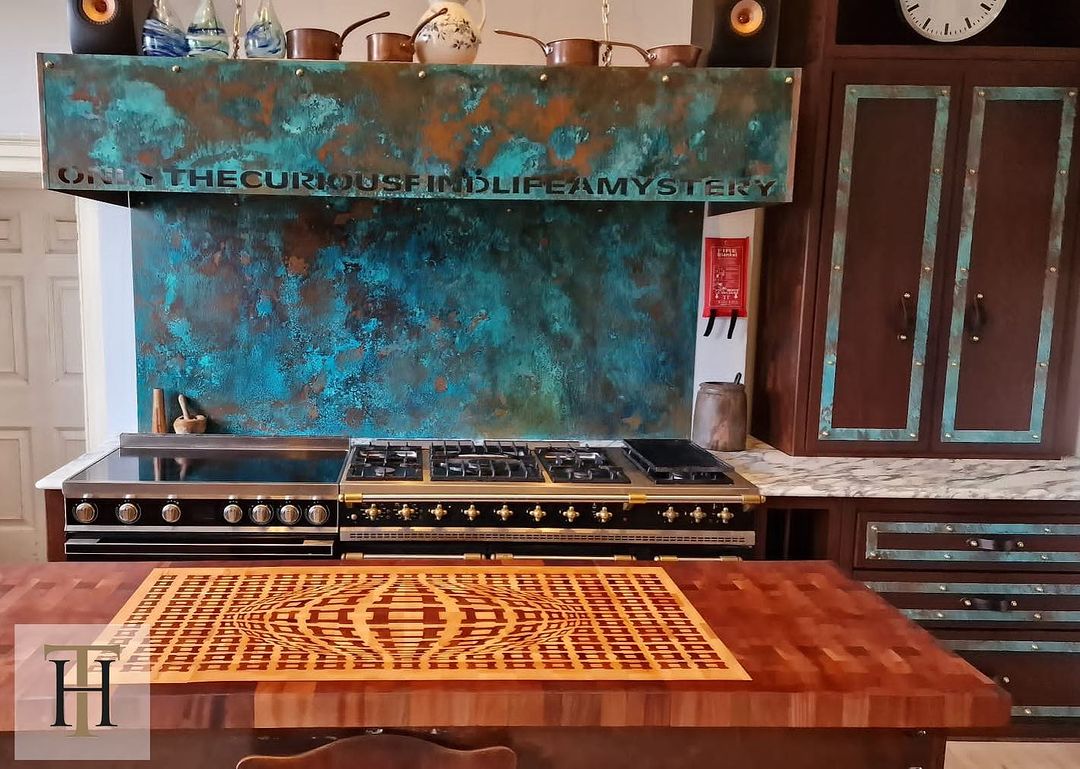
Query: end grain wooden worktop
x=822, y=651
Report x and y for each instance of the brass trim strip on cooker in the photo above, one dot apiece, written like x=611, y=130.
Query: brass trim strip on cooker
x=753, y=499
x=637, y=499
x=351, y=499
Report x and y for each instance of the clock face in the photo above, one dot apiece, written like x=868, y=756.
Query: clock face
x=947, y=21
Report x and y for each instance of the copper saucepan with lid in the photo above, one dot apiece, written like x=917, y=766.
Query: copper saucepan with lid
x=571, y=51
x=321, y=44
x=395, y=46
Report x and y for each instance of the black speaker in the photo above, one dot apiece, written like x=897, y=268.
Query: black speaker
x=744, y=33
x=106, y=26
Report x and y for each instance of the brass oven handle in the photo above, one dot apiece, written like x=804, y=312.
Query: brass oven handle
x=907, y=331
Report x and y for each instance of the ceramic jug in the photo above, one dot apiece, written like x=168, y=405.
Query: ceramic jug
x=453, y=38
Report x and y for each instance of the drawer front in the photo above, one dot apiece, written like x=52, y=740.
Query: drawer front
x=966, y=542
x=1042, y=676
x=944, y=603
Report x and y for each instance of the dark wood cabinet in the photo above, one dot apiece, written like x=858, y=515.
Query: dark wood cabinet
x=916, y=296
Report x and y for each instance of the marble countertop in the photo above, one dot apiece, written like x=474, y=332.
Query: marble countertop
x=55, y=479
x=780, y=475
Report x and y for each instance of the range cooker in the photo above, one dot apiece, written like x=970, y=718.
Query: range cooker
x=209, y=496
x=642, y=499
x=228, y=497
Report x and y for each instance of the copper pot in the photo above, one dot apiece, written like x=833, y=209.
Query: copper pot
x=395, y=46
x=321, y=44
x=573, y=51
x=668, y=55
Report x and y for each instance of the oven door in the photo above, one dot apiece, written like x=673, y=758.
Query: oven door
x=128, y=546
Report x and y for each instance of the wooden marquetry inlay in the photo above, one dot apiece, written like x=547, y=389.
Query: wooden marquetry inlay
x=420, y=623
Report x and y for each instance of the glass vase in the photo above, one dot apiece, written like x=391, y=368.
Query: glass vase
x=161, y=35
x=265, y=39
x=205, y=35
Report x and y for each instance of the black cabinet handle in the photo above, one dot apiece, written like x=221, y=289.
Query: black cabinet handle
x=997, y=544
x=907, y=330
x=990, y=604
x=977, y=318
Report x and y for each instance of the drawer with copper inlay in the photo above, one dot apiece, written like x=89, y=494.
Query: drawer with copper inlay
x=988, y=542
x=981, y=600
x=1041, y=672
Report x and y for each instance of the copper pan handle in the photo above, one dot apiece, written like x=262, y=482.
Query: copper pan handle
x=544, y=46
x=362, y=22
x=425, y=22
x=648, y=57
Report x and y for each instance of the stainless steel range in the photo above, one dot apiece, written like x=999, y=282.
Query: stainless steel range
x=161, y=496
x=641, y=499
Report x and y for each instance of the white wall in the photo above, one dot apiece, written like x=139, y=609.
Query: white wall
x=42, y=26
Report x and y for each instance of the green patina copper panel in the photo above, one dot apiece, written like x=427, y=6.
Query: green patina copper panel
x=115, y=123
x=431, y=319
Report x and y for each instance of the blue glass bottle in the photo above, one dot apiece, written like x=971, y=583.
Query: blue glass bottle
x=161, y=35
x=265, y=39
x=205, y=35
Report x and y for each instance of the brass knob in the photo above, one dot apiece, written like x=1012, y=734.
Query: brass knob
x=289, y=515
x=671, y=514
x=571, y=514
x=317, y=515
x=505, y=513
x=127, y=513
x=472, y=513
x=261, y=514
x=604, y=515
x=406, y=513
x=85, y=513
x=726, y=516
x=373, y=512
x=538, y=513
x=698, y=515
x=170, y=513
x=439, y=512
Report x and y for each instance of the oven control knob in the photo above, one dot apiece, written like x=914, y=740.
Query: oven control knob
x=233, y=513
x=261, y=514
x=726, y=515
x=289, y=515
x=373, y=512
x=698, y=515
x=317, y=515
x=170, y=513
x=670, y=515
x=571, y=514
x=538, y=513
x=85, y=513
x=439, y=512
x=127, y=513
x=406, y=513
x=472, y=513
x=604, y=515
x=505, y=513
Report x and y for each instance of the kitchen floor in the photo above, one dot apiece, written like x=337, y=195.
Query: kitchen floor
x=1013, y=755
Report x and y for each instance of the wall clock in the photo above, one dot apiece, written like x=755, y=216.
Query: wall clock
x=946, y=21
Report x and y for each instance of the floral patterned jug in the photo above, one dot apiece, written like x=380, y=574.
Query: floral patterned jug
x=453, y=38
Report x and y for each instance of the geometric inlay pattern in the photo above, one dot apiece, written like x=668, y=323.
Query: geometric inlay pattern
x=419, y=623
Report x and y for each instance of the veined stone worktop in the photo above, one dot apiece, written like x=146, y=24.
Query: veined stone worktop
x=780, y=475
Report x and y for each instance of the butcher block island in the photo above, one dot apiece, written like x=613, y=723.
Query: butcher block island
x=568, y=664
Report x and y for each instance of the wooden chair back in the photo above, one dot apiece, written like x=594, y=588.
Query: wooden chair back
x=386, y=751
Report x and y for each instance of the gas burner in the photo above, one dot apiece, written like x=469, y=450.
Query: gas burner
x=385, y=462
x=580, y=464
x=675, y=462
x=487, y=461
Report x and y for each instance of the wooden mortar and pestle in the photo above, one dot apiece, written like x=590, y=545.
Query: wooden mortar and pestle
x=188, y=424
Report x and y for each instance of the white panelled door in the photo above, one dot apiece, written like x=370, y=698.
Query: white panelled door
x=41, y=391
